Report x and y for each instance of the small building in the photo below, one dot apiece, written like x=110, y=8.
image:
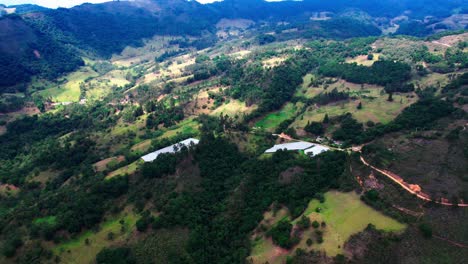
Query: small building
x=171, y=149
x=316, y=150
x=301, y=145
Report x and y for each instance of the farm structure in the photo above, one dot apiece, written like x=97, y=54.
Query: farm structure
x=316, y=150
x=308, y=148
x=171, y=149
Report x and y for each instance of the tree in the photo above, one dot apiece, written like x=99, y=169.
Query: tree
x=326, y=120
x=115, y=256
x=426, y=230
x=304, y=222
x=390, y=97
x=315, y=128
x=370, y=57
x=359, y=107
x=315, y=224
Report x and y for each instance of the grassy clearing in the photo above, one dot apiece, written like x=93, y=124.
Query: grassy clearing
x=233, y=108
x=344, y=214
x=187, y=126
x=375, y=106
x=129, y=169
x=69, y=91
x=43, y=176
x=362, y=60
x=307, y=91
x=102, y=86
x=275, y=61
x=123, y=128
x=272, y=120
x=142, y=146
x=102, y=165
x=78, y=251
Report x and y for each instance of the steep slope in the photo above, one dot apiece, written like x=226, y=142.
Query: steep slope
x=24, y=51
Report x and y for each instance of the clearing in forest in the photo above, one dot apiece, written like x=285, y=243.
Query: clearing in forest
x=85, y=247
x=272, y=120
x=344, y=214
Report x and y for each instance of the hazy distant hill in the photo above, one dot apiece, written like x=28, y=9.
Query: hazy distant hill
x=105, y=29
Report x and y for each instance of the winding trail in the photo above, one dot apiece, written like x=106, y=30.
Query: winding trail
x=412, y=189
x=399, y=180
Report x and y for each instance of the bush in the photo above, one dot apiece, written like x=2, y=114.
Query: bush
x=281, y=234
x=115, y=256
x=426, y=230
x=315, y=224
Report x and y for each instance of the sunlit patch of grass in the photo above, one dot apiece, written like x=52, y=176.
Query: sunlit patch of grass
x=86, y=246
x=344, y=215
x=69, y=91
x=272, y=120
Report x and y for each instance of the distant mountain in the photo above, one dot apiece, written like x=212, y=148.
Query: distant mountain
x=25, y=51
x=27, y=8
x=107, y=28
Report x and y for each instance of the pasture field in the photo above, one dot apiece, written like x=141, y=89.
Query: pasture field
x=129, y=169
x=79, y=251
x=123, y=127
x=305, y=90
x=69, y=91
x=363, y=60
x=187, y=126
x=344, y=214
x=233, y=108
x=142, y=146
x=272, y=120
x=375, y=106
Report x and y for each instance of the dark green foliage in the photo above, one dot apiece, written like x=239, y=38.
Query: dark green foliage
x=120, y=255
x=304, y=222
x=281, y=234
x=315, y=128
x=11, y=245
x=330, y=97
x=381, y=72
x=145, y=221
x=162, y=115
x=421, y=114
x=315, y=224
x=426, y=230
x=414, y=28
x=165, y=164
x=38, y=54
x=350, y=129
x=265, y=39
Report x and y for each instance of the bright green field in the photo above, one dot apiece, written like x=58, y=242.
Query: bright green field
x=375, y=106
x=129, y=169
x=186, y=126
x=271, y=121
x=344, y=213
x=70, y=90
x=76, y=250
